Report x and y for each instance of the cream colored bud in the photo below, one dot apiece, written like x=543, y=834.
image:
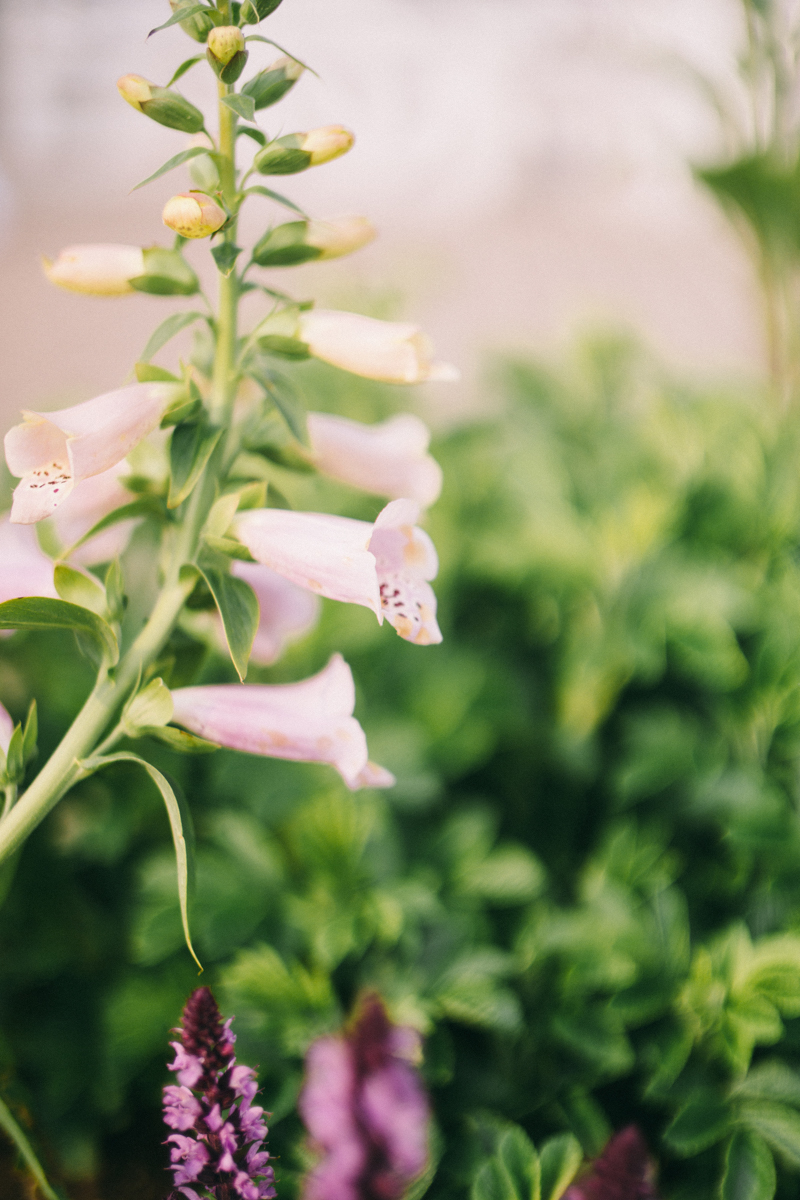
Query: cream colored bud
x=291, y=68
x=224, y=41
x=135, y=89
x=326, y=143
x=193, y=216
x=96, y=270
x=340, y=235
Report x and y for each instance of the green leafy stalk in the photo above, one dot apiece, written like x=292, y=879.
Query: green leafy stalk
x=10, y=1126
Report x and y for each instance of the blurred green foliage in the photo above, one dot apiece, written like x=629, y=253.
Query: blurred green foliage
x=584, y=888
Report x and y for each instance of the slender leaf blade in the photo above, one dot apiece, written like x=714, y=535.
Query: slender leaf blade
x=179, y=739
x=42, y=612
x=258, y=190
x=191, y=447
x=243, y=106
x=171, y=163
x=560, y=1158
x=284, y=398
x=167, y=330
x=184, y=67
x=14, y=1131
x=180, y=825
x=181, y=15
x=238, y=607
x=143, y=507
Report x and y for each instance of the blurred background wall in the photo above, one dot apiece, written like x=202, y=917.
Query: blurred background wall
x=525, y=160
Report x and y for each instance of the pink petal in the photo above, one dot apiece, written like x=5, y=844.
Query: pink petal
x=53, y=451
x=326, y=554
x=286, y=611
x=391, y=351
x=388, y=459
x=375, y=776
x=6, y=729
x=326, y=1105
x=310, y=721
x=25, y=570
x=90, y=501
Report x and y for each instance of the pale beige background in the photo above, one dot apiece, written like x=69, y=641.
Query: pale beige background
x=525, y=160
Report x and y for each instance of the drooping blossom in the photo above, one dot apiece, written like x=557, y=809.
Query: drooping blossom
x=25, y=570
x=366, y=1110
x=54, y=451
x=310, y=721
x=193, y=216
x=395, y=352
x=385, y=566
x=88, y=502
x=216, y=1143
x=286, y=611
x=389, y=459
x=6, y=729
x=624, y=1171
x=103, y=269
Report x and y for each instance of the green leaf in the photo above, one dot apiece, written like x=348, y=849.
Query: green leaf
x=191, y=447
x=699, y=1124
x=258, y=190
x=183, y=12
x=151, y=706
x=559, y=1159
x=749, y=1169
x=238, y=607
x=25, y=1150
x=167, y=330
x=285, y=399
x=492, y=1183
x=771, y=1080
x=147, y=373
x=777, y=1124
x=256, y=37
x=225, y=256
x=174, y=162
x=166, y=273
x=243, y=106
x=144, y=506
x=255, y=134
x=521, y=1163
x=184, y=67
x=30, y=733
x=41, y=612
x=178, y=739
x=587, y=1120
x=179, y=820
x=79, y=588
x=15, y=757
x=229, y=546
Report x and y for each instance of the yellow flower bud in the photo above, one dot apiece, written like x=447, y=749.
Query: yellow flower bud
x=193, y=216
x=135, y=89
x=96, y=270
x=326, y=143
x=340, y=235
x=225, y=41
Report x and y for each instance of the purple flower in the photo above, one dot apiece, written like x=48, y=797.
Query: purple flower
x=218, y=1148
x=624, y=1171
x=366, y=1109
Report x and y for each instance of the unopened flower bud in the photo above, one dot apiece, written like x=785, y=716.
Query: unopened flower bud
x=197, y=26
x=160, y=104
x=193, y=215
x=303, y=241
x=299, y=151
x=254, y=11
x=225, y=51
x=96, y=270
x=270, y=85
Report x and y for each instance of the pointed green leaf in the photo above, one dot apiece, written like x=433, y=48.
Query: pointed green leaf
x=172, y=163
x=225, y=255
x=30, y=733
x=167, y=330
x=180, y=824
x=284, y=397
x=492, y=1183
x=182, y=14
x=243, y=106
x=776, y=1124
x=258, y=190
x=25, y=1151
x=41, y=612
x=229, y=547
x=559, y=1159
x=256, y=37
x=144, y=506
x=238, y=607
x=749, y=1169
x=704, y=1120
x=521, y=1162
x=79, y=588
x=178, y=739
x=184, y=67
x=15, y=757
x=191, y=447
x=151, y=706
x=255, y=134
x=147, y=373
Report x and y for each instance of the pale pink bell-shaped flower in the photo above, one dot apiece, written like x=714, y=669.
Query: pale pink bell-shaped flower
x=389, y=459
x=103, y=269
x=310, y=721
x=88, y=502
x=25, y=570
x=6, y=729
x=385, y=566
x=54, y=451
x=387, y=350
x=286, y=611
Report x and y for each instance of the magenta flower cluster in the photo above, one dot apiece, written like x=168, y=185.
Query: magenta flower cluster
x=624, y=1171
x=216, y=1149
x=366, y=1110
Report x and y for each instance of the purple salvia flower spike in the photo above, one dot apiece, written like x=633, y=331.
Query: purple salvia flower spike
x=366, y=1109
x=218, y=1146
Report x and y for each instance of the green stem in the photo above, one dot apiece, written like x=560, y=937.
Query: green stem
x=17, y=1136
x=63, y=769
